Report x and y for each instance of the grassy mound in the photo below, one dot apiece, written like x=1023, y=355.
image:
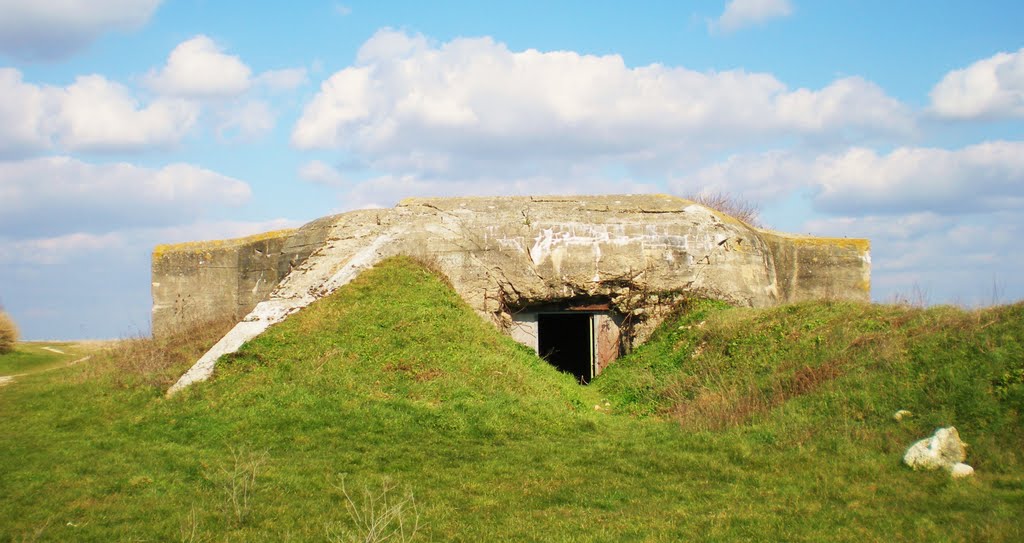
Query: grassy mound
x=391, y=401
x=715, y=367
x=397, y=339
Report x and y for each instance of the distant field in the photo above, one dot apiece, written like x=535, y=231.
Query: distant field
x=34, y=356
x=730, y=425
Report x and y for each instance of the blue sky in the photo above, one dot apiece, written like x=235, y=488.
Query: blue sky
x=128, y=123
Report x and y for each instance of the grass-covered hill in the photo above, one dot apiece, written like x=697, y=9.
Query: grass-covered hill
x=391, y=401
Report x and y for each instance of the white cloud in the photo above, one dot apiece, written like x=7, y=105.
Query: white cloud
x=283, y=80
x=57, y=249
x=97, y=114
x=983, y=177
x=55, y=195
x=342, y=10
x=91, y=114
x=847, y=104
x=197, y=68
x=755, y=177
x=53, y=29
x=472, y=106
x=990, y=88
x=24, y=115
x=387, y=190
x=246, y=121
x=740, y=14
x=938, y=258
x=317, y=171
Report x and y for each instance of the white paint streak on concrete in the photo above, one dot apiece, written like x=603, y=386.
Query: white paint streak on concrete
x=359, y=262
x=256, y=287
x=553, y=242
x=276, y=310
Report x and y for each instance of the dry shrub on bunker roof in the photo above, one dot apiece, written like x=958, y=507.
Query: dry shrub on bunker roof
x=8, y=332
x=729, y=204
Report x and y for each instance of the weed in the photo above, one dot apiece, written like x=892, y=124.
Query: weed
x=237, y=481
x=188, y=531
x=377, y=516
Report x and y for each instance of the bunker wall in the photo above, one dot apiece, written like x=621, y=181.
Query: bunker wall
x=195, y=283
x=640, y=254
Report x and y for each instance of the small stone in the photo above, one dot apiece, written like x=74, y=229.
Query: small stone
x=961, y=470
x=901, y=414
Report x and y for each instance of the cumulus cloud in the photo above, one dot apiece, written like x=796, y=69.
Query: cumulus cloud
x=100, y=115
x=58, y=249
x=983, y=177
x=932, y=258
x=24, y=115
x=387, y=190
x=756, y=177
x=990, y=88
x=198, y=68
x=741, y=14
x=318, y=171
x=285, y=79
x=246, y=121
x=51, y=196
x=91, y=114
x=472, y=105
x=53, y=29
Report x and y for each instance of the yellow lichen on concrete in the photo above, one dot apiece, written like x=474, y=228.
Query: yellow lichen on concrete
x=860, y=244
x=205, y=246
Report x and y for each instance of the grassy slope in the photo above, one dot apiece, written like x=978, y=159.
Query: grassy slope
x=778, y=429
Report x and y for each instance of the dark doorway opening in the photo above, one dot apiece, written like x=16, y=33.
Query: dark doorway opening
x=566, y=341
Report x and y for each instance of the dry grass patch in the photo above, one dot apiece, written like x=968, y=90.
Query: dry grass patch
x=8, y=333
x=158, y=362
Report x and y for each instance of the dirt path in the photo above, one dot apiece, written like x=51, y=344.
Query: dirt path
x=7, y=379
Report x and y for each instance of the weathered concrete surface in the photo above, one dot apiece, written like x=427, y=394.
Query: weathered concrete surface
x=638, y=254
x=199, y=282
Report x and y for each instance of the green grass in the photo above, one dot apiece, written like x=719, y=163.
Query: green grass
x=30, y=357
x=730, y=424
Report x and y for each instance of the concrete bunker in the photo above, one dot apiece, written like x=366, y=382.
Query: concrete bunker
x=527, y=264
x=580, y=337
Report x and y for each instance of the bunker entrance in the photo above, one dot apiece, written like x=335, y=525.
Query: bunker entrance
x=566, y=341
x=580, y=339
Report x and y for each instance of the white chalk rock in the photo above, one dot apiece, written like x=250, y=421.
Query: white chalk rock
x=961, y=470
x=942, y=450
